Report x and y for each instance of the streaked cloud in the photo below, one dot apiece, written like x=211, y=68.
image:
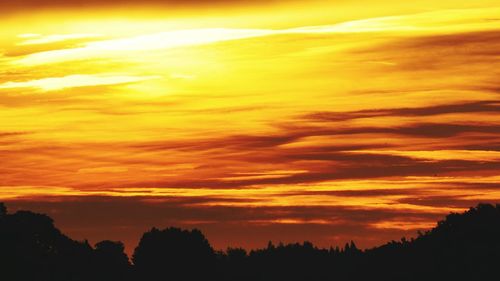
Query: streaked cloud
x=71, y=81
x=35, y=39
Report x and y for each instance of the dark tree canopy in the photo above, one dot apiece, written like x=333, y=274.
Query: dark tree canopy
x=31, y=248
x=178, y=251
x=3, y=209
x=461, y=247
x=111, y=262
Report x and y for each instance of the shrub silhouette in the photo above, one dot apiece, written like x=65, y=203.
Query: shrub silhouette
x=461, y=247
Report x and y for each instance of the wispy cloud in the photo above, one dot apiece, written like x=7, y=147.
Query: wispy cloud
x=71, y=81
x=36, y=39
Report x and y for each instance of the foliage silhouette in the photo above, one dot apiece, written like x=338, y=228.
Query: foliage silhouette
x=111, y=262
x=186, y=254
x=3, y=209
x=461, y=247
x=31, y=248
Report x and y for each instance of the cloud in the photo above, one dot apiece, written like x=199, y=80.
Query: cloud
x=77, y=80
x=11, y=134
x=431, y=110
x=37, y=39
x=438, y=52
x=150, y=42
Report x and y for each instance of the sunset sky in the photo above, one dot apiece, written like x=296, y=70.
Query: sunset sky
x=250, y=120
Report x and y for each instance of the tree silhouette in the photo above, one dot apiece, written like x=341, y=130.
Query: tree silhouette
x=233, y=264
x=174, y=254
x=461, y=247
x=111, y=261
x=31, y=248
x=3, y=210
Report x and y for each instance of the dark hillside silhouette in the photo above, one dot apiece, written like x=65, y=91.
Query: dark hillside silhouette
x=461, y=247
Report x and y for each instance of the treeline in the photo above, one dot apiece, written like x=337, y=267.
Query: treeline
x=461, y=247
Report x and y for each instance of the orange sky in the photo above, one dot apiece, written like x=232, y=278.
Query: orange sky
x=326, y=120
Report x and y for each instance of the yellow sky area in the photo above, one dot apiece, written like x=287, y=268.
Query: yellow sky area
x=429, y=22
x=393, y=106
x=203, y=78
